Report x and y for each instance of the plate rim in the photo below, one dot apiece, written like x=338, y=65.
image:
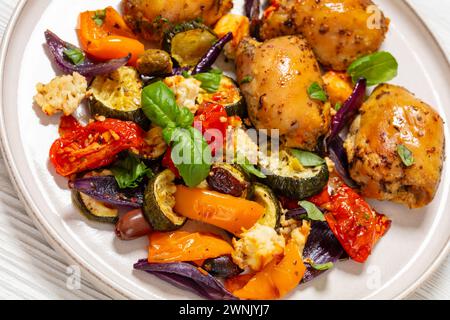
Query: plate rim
x=59, y=244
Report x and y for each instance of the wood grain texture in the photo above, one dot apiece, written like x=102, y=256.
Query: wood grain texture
x=31, y=269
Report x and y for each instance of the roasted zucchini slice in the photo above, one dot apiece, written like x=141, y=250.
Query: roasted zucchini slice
x=118, y=95
x=229, y=179
x=229, y=95
x=294, y=181
x=156, y=146
x=188, y=42
x=159, y=201
x=93, y=209
x=263, y=195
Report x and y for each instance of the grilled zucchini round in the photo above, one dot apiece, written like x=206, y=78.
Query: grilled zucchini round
x=229, y=95
x=292, y=180
x=188, y=42
x=263, y=195
x=93, y=209
x=118, y=95
x=159, y=201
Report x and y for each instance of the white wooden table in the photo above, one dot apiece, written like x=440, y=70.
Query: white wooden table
x=31, y=269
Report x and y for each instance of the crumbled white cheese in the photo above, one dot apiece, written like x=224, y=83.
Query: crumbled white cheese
x=63, y=93
x=186, y=91
x=257, y=247
x=300, y=235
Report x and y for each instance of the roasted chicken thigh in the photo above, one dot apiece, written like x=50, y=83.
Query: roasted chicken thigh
x=392, y=122
x=339, y=31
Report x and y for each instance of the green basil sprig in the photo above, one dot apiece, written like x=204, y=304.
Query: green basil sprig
x=190, y=151
x=190, y=154
x=130, y=171
x=307, y=159
x=312, y=211
x=210, y=80
x=160, y=106
x=321, y=267
x=406, y=155
x=376, y=68
x=248, y=167
x=75, y=55
x=316, y=92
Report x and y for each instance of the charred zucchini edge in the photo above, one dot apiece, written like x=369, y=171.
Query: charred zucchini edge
x=263, y=195
x=313, y=181
x=160, y=218
x=235, y=108
x=88, y=210
x=172, y=34
x=98, y=106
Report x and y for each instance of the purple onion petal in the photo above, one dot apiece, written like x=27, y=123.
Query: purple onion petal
x=296, y=214
x=88, y=68
x=252, y=11
x=349, y=110
x=338, y=155
x=213, y=53
x=321, y=247
x=187, y=276
x=107, y=190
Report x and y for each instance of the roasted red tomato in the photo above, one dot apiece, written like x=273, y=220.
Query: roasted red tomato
x=168, y=163
x=93, y=146
x=354, y=223
x=212, y=117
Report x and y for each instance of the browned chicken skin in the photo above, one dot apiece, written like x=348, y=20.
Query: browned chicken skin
x=337, y=30
x=393, y=116
x=150, y=18
x=279, y=73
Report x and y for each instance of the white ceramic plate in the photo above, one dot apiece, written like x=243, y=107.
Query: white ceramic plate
x=416, y=243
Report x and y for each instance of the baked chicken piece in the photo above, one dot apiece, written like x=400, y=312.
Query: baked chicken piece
x=339, y=31
x=149, y=18
x=390, y=120
x=275, y=77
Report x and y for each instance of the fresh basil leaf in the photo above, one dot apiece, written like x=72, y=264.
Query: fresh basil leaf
x=210, y=80
x=129, y=172
x=406, y=155
x=185, y=118
x=185, y=74
x=160, y=106
x=376, y=68
x=316, y=92
x=250, y=169
x=99, y=17
x=323, y=266
x=190, y=154
x=313, y=212
x=247, y=79
x=307, y=159
x=75, y=55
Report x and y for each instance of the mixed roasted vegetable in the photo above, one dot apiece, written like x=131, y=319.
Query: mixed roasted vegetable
x=168, y=151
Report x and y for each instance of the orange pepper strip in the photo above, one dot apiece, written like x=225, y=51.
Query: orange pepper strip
x=238, y=282
x=179, y=246
x=110, y=40
x=224, y=211
x=276, y=279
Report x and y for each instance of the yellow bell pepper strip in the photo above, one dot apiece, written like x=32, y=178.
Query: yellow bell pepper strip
x=276, y=280
x=104, y=35
x=182, y=246
x=223, y=211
